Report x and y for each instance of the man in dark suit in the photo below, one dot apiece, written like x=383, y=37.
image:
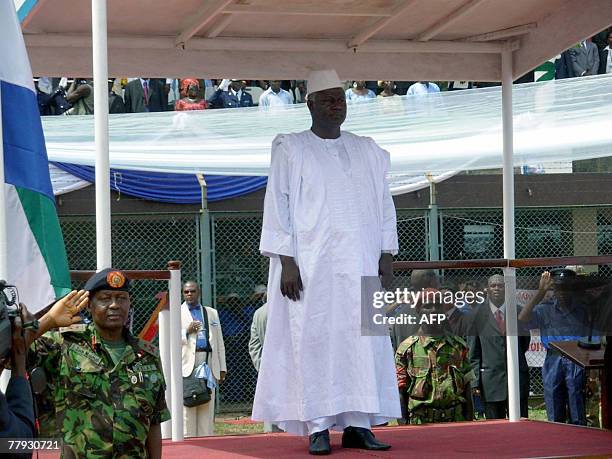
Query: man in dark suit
x=584, y=59
x=563, y=66
x=230, y=95
x=605, y=56
x=145, y=95
x=487, y=353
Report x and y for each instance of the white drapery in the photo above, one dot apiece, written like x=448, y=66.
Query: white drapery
x=438, y=134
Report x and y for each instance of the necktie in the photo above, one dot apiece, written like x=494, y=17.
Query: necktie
x=501, y=323
x=145, y=88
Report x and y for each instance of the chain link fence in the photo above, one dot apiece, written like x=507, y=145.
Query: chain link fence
x=140, y=242
x=539, y=232
x=237, y=269
x=149, y=241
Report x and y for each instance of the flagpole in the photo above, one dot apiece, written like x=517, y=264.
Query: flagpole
x=512, y=354
x=3, y=222
x=100, y=74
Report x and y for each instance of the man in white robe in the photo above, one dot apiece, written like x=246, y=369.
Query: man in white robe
x=329, y=219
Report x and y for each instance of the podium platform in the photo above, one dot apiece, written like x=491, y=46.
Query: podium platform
x=483, y=439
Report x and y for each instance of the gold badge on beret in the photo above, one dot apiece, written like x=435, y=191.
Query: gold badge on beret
x=115, y=279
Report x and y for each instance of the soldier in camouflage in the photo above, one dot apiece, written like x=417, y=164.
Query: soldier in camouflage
x=433, y=372
x=108, y=386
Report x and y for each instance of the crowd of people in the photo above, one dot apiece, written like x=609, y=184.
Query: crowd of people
x=444, y=376
x=74, y=96
x=589, y=57
x=558, y=310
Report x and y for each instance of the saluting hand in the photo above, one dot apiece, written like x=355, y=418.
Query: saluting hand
x=546, y=282
x=65, y=311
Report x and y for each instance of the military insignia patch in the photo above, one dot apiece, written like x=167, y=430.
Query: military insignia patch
x=115, y=279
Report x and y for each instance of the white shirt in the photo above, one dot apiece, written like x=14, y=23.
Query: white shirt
x=175, y=92
x=419, y=89
x=270, y=98
x=609, y=64
x=352, y=96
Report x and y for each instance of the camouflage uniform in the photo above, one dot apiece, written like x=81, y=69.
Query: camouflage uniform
x=432, y=374
x=102, y=410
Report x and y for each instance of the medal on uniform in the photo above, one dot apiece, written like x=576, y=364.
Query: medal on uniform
x=134, y=379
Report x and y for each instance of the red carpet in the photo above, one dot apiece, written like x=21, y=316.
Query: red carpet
x=489, y=439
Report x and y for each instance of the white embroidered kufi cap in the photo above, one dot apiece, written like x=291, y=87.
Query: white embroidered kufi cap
x=320, y=80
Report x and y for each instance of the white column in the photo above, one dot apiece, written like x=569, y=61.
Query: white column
x=100, y=74
x=164, y=354
x=508, y=206
x=176, y=372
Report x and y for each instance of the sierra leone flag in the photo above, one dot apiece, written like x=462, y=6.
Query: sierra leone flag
x=37, y=262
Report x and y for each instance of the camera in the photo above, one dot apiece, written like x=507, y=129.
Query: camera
x=9, y=309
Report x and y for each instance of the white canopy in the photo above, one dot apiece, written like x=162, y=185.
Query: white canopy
x=438, y=133
x=361, y=39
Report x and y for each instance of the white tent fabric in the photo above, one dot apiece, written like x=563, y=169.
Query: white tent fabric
x=63, y=182
x=438, y=134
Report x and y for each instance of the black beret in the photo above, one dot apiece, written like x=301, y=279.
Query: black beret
x=108, y=279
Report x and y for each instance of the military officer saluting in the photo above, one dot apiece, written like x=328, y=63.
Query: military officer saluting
x=433, y=372
x=108, y=387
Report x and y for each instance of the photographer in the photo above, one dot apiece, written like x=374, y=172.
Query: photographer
x=16, y=407
x=80, y=95
x=17, y=417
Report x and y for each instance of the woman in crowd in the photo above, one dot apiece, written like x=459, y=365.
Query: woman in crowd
x=190, y=90
x=359, y=92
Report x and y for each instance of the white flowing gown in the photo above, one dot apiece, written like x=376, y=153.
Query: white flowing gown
x=327, y=205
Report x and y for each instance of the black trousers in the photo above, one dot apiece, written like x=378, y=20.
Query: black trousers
x=499, y=410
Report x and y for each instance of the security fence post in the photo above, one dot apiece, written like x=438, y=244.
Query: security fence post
x=205, y=253
x=176, y=373
x=164, y=354
x=434, y=240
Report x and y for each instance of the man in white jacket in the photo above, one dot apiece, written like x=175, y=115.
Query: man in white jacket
x=202, y=343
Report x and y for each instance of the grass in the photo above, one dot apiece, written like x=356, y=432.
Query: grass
x=237, y=424
x=537, y=410
x=223, y=428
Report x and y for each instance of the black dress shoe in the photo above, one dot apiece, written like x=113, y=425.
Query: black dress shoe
x=358, y=437
x=319, y=443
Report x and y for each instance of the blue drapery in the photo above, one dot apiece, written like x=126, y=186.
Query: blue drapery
x=172, y=188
